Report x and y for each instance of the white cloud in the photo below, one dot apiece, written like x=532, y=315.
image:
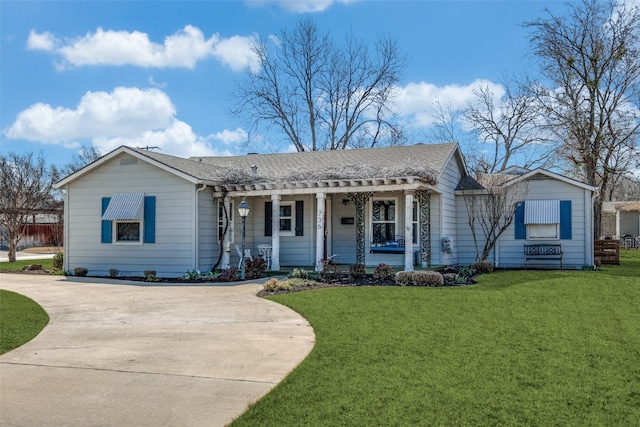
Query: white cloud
x=45, y=41
x=126, y=116
x=416, y=100
x=182, y=49
x=231, y=136
x=301, y=6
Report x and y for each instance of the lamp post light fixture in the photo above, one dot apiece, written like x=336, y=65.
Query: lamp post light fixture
x=243, y=210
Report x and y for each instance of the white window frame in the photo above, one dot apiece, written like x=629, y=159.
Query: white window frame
x=115, y=240
x=372, y=222
x=531, y=228
x=221, y=221
x=292, y=217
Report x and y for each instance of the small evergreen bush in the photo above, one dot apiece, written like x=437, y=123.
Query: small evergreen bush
x=427, y=278
x=275, y=285
x=482, y=267
x=230, y=275
x=113, y=272
x=383, y=271
x=255, y=268
x=80, y=271
x=403, y=278
x=299, y=273
x=58, y=261
x=358, y=271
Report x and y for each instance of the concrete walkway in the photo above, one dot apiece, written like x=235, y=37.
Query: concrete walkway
x=118, y=354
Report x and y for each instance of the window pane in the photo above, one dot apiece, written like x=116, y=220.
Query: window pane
x=128, y=232
x=285, y=211
x=383, y=210
x=543, y=231
x=285, y=224
x=385, y=232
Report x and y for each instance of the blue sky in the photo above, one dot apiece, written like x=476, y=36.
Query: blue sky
x=160, y=72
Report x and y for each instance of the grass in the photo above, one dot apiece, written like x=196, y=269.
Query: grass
x=534, y=348
x=21, y=319
x=47, y=264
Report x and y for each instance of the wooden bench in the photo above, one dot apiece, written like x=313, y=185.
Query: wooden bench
x=543, y=251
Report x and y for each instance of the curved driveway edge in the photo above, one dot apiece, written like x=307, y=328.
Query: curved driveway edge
x=119, y=354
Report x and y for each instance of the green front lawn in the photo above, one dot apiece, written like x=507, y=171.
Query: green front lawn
x=21, y=319
x=520, y=348
x=46, y=264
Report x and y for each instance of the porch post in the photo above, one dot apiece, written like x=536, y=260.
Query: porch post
x=320, y=197
x=275, y=232
x=226, y=239
x=424, y=199
x=360, y=199
x=408, y=230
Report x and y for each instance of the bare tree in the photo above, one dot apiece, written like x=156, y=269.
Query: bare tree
x=27, y=186
x=87, y=154
x=321, y=95
x=591, y=58
x=509, y=126
x=490, y=211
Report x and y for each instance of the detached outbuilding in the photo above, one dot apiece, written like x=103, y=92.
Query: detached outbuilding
x=137, y=210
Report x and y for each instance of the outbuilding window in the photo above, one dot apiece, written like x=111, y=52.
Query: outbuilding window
x=128, y=218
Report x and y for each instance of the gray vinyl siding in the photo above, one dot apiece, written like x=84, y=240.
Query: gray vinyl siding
x=172, y=253
x=208, y=247
x=448, y=212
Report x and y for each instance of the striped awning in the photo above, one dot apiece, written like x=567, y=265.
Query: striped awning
x=125, y=206
x=542, y=212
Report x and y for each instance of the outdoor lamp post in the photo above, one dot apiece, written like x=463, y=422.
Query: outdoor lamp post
x=243, y=210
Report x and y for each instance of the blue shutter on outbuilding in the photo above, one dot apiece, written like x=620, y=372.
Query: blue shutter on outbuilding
x=299, y=218
x=105, y=236
x=149, y=219
x=267, y=218
x=518, y=222
x=565, y=219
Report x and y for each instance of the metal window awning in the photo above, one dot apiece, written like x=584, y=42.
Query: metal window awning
x=125, y=206
x=542, y=212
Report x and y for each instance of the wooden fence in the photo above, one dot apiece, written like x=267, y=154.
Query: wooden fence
x=607, y=251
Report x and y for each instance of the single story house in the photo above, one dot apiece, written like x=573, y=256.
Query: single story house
x=137, y=210
x=620, y=219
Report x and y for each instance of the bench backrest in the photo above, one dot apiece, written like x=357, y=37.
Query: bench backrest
x=543, y=249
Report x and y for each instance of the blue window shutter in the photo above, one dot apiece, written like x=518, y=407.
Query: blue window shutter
x=565, y=219
x=299, y=218
x=267, y=219
x=105, y=236
x=518, y=219
x=149, y=219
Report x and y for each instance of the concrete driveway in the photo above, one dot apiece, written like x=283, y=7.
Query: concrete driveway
x=122, y=354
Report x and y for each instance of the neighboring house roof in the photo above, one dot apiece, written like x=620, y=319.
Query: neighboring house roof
x=482, y=181
x=626, y=206
x=422, y=162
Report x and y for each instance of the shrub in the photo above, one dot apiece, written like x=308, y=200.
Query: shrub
x=274, y=285
x=148, y=273
x=427, y=278
x=113, y=272
x=191, y=275
x=297, y=282
x=299, y=273
x=150, y=276
x=58, y=261
x=358, y=270
x=383, y=271
x=80, y=271
x=255, y=268
x=230, y=275
x=482, y=267
x=403, y=278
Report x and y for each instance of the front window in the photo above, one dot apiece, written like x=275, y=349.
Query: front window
x=128, y=232
x=383, y=220
x=286, y=219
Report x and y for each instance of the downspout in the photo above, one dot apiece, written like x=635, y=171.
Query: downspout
x=196, y=228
